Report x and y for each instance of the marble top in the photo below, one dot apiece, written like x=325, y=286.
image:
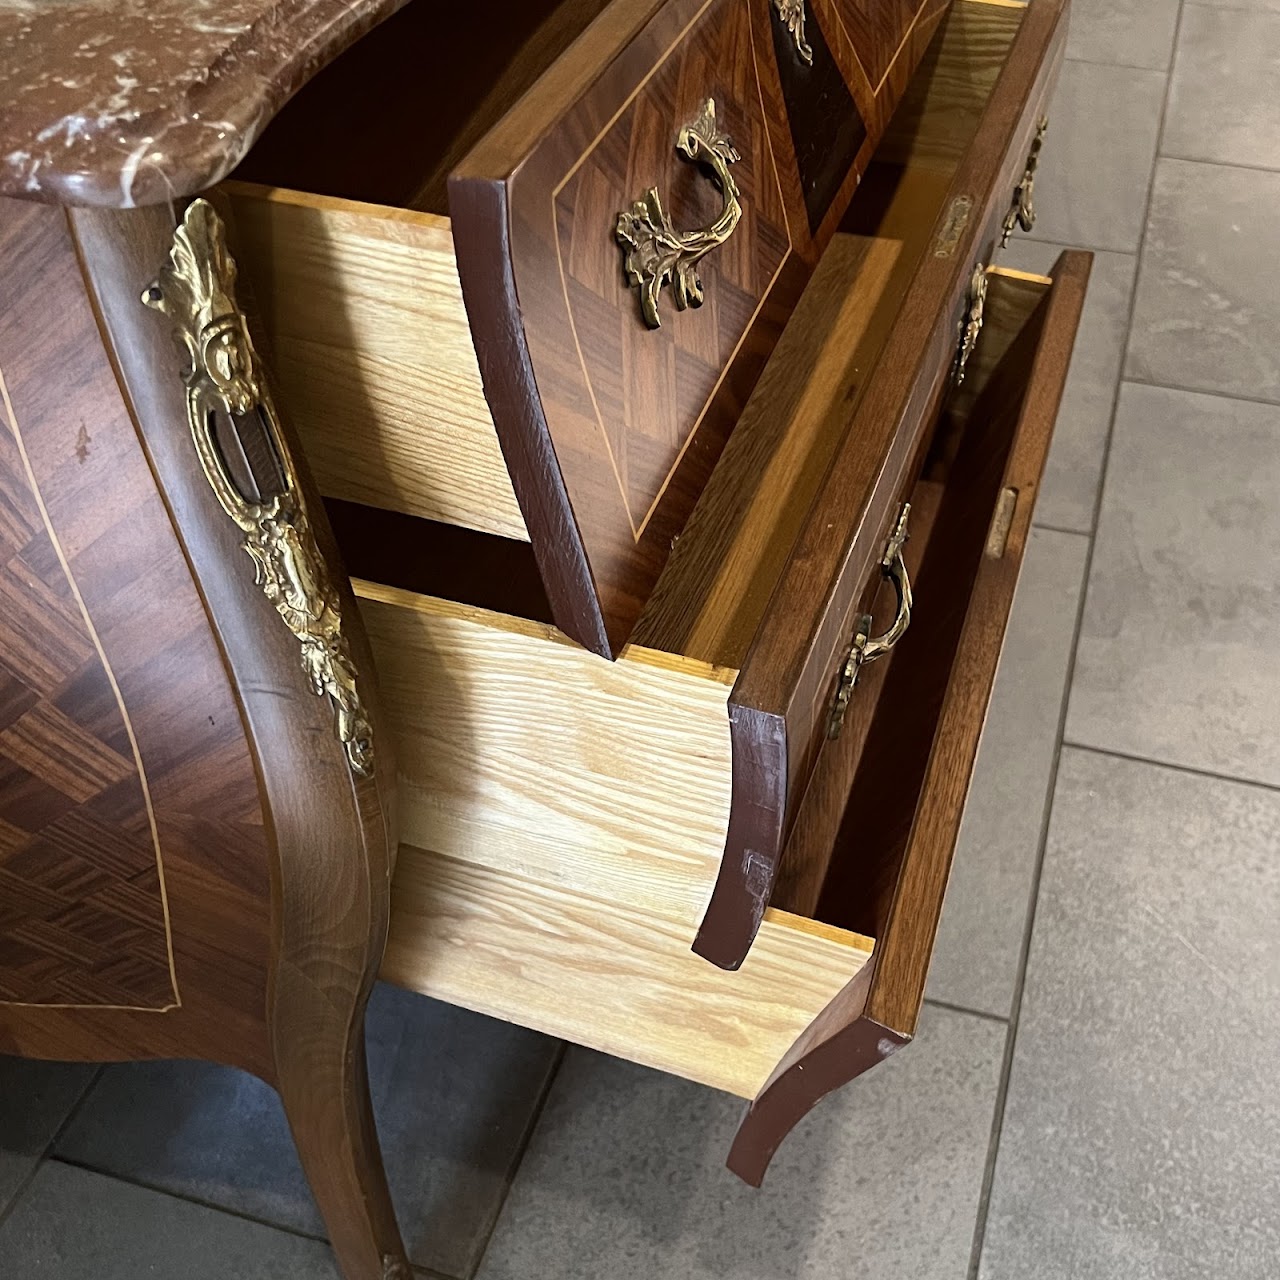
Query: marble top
x=132, y=102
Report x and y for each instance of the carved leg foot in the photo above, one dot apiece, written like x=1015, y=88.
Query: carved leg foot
x=325, y=1090
x=838, y=1046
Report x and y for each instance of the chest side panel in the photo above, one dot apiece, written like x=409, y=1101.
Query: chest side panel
x=135, y=889
x=84, y=919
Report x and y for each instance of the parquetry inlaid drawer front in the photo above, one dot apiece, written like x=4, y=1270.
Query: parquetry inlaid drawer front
x=647, y=229
x=877, y=30
x=639, y=393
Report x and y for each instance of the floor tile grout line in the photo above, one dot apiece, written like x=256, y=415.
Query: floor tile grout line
x=1060, y=529
x=1129, y=251
x=1214, y=7
x=187, y=1198
x=47, y=1153
x=1031, y=238
x=985, y=1014
x=1024, y=949
x=522, y=1147
x=1020, y=980
x=1199, y=391
x=1211, y=774
x=1121, y=66
x=284, y=1228
x=1220, y=164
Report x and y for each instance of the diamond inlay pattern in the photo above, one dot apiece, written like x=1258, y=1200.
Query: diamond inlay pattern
x=649, y=388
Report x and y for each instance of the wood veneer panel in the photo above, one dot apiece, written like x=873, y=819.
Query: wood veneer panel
x=609, y=975
x=878, y=29
x=828, y=131
x=612, y=429
x=617, y=406
x=133, y=857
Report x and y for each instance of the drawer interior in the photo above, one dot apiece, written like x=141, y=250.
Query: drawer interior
x=387, y=122
x=961, y=509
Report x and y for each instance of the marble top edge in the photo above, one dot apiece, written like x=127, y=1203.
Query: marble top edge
x=132, y=102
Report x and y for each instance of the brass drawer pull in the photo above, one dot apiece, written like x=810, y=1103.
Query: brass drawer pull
x=867, y=648
x=971, y=322
x=225, y=385
x=1023, y=212
x=791, y=14
x=658, y=254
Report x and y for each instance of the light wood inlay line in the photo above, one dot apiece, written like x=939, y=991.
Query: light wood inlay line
x=902, y=44
x=853, y=46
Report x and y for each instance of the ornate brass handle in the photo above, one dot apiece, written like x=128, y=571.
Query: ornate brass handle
x=791, y=13
x=867, y=648
x=656, y=253
x=196, y=289
x=1023, y=212
x=971, y=322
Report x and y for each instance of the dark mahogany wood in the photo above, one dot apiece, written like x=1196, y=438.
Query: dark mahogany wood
x=781, y=700
x=191, y=789
x=886, y=852
x=828, y=132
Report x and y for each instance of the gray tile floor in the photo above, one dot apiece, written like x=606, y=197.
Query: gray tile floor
x=1095, y=1092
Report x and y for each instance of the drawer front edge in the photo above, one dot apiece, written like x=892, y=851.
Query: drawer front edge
x=794, y=677
x=876, y=1013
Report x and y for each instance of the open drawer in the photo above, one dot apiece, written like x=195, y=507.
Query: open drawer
x=694, y=749
x=522, y=921
x=583, y=175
